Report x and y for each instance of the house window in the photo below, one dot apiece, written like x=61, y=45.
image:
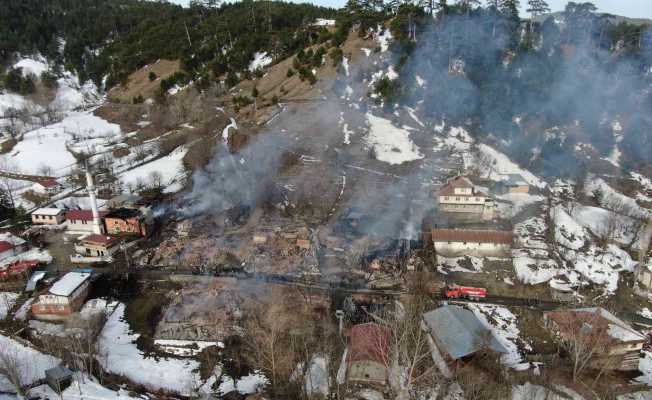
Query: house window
x=457, y=199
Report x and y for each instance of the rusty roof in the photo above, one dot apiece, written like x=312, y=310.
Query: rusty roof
x=474, y=236
x=369, y=342
x=100, y=239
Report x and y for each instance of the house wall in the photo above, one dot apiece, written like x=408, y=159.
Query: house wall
x=50, y=306
x=367, y=372
x=644, y=277
x=518, y=189
x=455, y=249
x=479, y=200
x=47, y=219
x=130, y=226
x=95, y=250
x=79, y=225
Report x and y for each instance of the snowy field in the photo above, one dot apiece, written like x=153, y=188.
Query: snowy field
x=118, y=354
x=170, y=167
x=391, y=144
x=31, y=364
x=47, y=146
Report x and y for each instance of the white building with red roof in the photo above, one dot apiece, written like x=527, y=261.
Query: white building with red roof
x=48, y=186
x=459, y=195
x=81, y=221
x=97, y=245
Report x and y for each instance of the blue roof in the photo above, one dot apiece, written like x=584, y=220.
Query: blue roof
x=515, y=180
x=459, y=332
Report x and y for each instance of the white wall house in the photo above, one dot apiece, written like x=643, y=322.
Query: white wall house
x=464, y=242
x=81, y=221
x=459, y=195
x=48, y=216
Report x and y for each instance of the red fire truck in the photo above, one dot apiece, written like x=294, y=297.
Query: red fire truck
x=464, y=292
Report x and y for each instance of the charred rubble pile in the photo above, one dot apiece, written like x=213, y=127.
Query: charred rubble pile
x=202, y=312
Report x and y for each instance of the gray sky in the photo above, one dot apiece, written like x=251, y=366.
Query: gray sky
x=628, y=8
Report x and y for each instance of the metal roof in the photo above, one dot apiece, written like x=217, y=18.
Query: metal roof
x=515, y=180
x=68, y=283
x=460, y=332
x=33, y=280
x=58, y=373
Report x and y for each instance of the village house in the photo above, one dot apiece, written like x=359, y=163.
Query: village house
x=515, y=184
x=459, y=195
x=127, y=221
x=126, y=200
x=467, y=242
x=616, y=343
x=47, y=186
x=81, y=221
x=48, y=216
x=643, y=286
x=96, y=245
x=368, y=354
x=457, y=333
x=11, y=245
x=65, y=297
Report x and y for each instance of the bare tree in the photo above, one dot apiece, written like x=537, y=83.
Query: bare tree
x=45, y=170
x=156, y=180
x=13, y=367
x=584, y=337
x=8, y=184
x=608, y=230
x=267, y=339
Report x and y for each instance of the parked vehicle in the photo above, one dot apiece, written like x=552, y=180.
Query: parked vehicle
x=464, y=292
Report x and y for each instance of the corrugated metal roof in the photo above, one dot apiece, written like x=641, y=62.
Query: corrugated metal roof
x=460, y=332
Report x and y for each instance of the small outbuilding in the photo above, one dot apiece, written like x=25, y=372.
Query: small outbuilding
x=516, y=184
x=368, y=354
x=58, y=378
x=48, y=216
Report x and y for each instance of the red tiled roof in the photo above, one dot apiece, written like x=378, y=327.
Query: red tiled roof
x=48, y=183
x=4, y=246
x=100, y=239
x=82, y=215
x=473, y=236
x=369, y=342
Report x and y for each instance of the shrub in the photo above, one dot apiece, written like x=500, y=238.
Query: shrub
x=337, y=55
x=152, y=76
x=290, y=73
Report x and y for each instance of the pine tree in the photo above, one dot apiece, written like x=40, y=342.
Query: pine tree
x=537, y=7
x=509, y=7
